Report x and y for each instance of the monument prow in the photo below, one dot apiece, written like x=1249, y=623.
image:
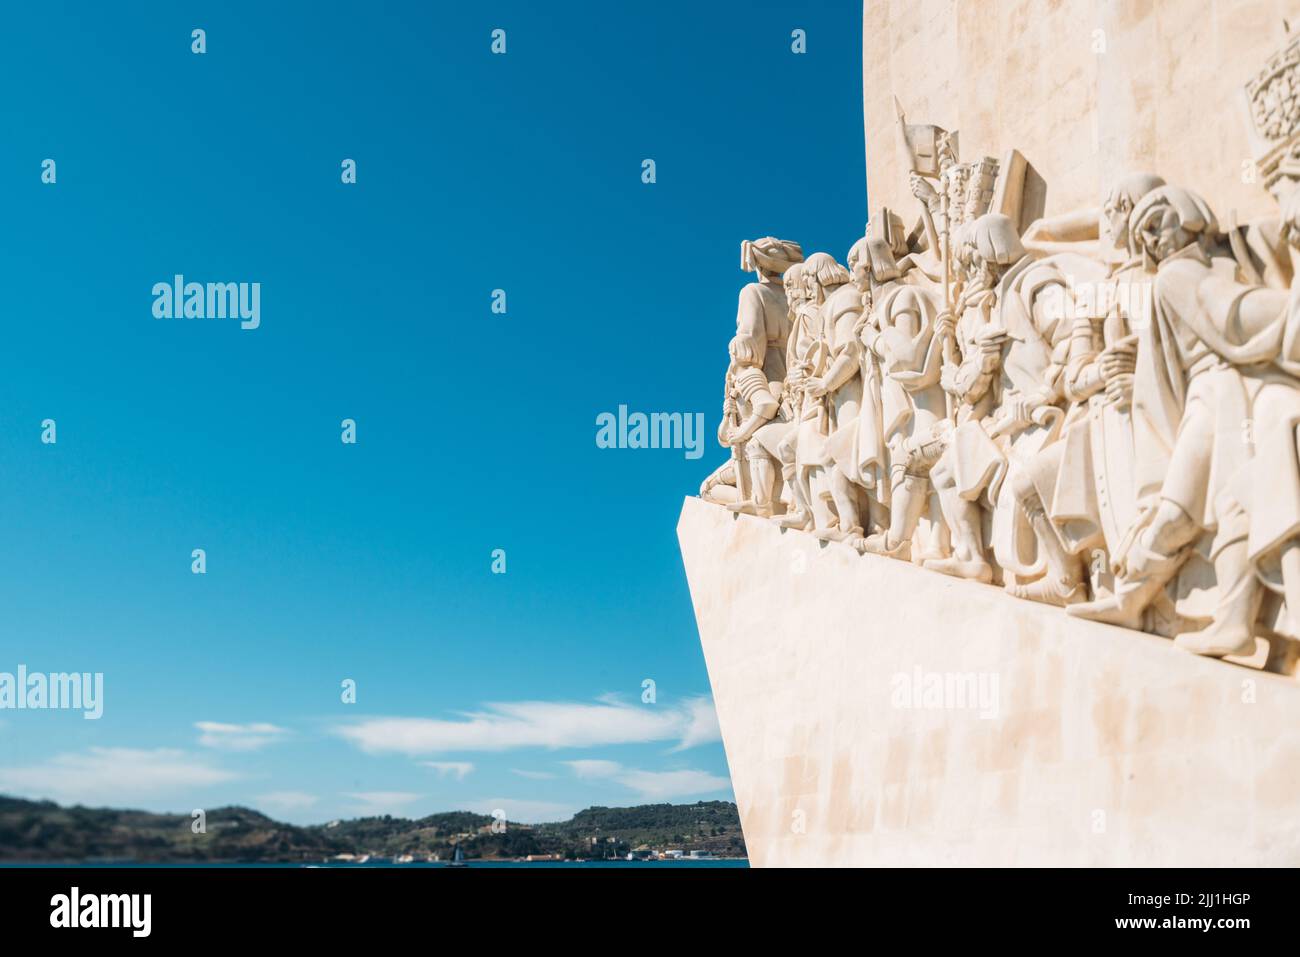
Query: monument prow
x=876, y=714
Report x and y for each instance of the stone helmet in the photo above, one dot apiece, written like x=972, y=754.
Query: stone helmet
x=769, y=254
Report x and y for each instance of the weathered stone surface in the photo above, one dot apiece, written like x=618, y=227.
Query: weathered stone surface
x=1104, y=746
x=1087, y=91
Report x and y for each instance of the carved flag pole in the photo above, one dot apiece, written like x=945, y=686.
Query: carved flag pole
x=949, y=339
x=913, y=163
x=738, y=461
x=927, y=165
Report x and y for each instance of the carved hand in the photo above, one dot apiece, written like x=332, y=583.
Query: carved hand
x=1119, y=389
x=948, y=378
x=1118, y=360
x=922, y=189
x=944, y=325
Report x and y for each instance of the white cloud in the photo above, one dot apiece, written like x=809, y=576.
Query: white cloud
x=592, y=768
x=538, y=724
x=652, y=785
x=448, y=768
x=374, y=803
x=112, y=776
x=533, y=775
x=666, y=785
x=238, y=737
x=287, y=800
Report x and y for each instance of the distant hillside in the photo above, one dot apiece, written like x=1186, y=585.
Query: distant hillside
x=44, y=831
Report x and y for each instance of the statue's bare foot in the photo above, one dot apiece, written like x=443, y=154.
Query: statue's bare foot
x=802, y=521
x=1124, y=608
x=1117, y=609
x=719, y=495
x=1217, y=642
x=878, y=544
x=750, y=507
x=976, y=569
x=1050, y=591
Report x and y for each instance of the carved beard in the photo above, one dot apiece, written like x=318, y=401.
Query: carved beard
x=983, y=278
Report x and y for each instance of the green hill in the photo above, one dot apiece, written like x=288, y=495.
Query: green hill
x=44, y=831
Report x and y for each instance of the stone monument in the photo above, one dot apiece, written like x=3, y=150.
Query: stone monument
x=1004, y=564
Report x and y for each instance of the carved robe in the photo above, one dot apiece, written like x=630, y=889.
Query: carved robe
x=840, y=314
x=804, y=445
x=1217, y=409
x=1031, y=299
x=981, y=454
x=1257, y=330
x=1086, y=480
x=911, y=403
x=763, y=316
x=1190, y=402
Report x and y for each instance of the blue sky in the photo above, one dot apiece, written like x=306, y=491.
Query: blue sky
x=475, y=431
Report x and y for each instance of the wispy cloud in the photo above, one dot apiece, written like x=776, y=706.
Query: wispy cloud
x=458, y=769
x=593, y=768
x=652, y=785
x=238, y=737
x=533, y=775
x=667, y=785
x=287, y=800
x=113, y=776
x=538, y=724
x=373, y=803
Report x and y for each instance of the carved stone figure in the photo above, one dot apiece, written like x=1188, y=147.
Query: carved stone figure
x=762, y=313
x=898, y=329
x=1189, y=409
x=839, y=384
x=800, y=450
x=1004, y=388
x=1077, y=493
x=754, y=434
x=762, y=327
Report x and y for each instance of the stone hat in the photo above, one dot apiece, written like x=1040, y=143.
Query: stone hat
x=1133, y=187
x=878, y=255
x=1194, y=213
x=996, y=240
x=769, y=253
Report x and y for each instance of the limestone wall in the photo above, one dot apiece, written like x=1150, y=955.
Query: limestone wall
x=1104, y=746
x=1162, y=97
